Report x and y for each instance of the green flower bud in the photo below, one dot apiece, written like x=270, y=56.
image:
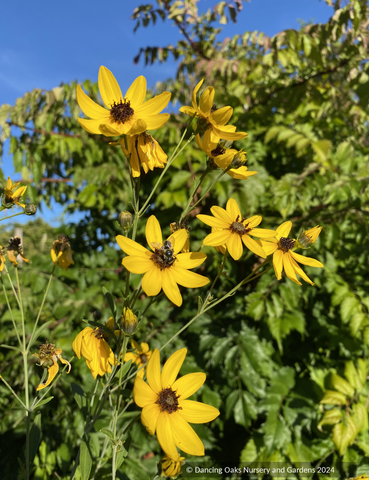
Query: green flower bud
x=125, y=220
x=30, y=209
x=128, y=321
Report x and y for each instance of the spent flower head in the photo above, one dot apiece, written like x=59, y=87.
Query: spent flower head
x=14, y=249
x=61, y=252
x=48, y=356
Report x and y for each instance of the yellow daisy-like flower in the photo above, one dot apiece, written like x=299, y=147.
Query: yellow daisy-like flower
x=224, y=157
x=308, y=237
x=99, y=356
x=143, y=150
x=171, y=467
x=12, y=194
x=140, y=356
x=127, y=115
x=210, y=117
x=61, y=252
x=233, y=229
x=164, y=268
x=165, y=408
x=284, y=257
x=49, y=356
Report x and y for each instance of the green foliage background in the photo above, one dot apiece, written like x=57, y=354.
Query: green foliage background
x=272, y=351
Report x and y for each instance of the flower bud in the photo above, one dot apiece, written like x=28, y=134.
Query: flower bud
x=239, y=159
x=308, y=237
x=30, y=209
x=128, y=321
x=125, y=220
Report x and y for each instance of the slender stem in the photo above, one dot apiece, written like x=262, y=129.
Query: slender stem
x=11, y=311
x=21, y=307
x=10, y=216
x=13, y=392
x=11, y=284
x=221, y=268
x=41, y=307
x=28, y=424
x=136, y=295
x=193, y=193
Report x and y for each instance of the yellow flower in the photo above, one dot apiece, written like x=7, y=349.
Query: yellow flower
x=233, y=229
x=165, y=267
x=143, y=150
x=140, y=356
x=99, y=356
x=171, y=467
x=61, y=252
x=14, y=249
x=125, y=115
x=165, y=408
x=210, y=118
x=308, y=237
x=12, y=194
x=223, y=158
x=49, y=356
x=284, y=257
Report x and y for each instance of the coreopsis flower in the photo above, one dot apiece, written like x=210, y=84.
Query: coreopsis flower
x=143, y=150
x=211, y=118
x=165, y=408
x=48, y=356
x=125, y=115
x=90, y=344
x=61, y=252
x=163, y=268
x=14, y=249
x=12, y=194
x=223, y=157
x=171, y=467
x=233, y=229
x=308, y=237
x=174, y=226
x=285, y=258
x=140, y=356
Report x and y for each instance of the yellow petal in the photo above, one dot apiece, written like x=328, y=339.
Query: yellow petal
x=152, y=281
x=213, y=222
x=156, y=121
x=9, y=184
x=207, y=100
x=92, y=126
x=221, y=214
x=311, y=262
x=254, y=246
x=52, y=371
x=180, y=238
x=224, y=160
x=284, y=229
x=130, y=247
x=216, y=239
x=139, y=126
x=278, y=263
x=137, y=264
x=188, y=279
x=143, y=394
x=234, y=246
x=197, y=412
x=170, y=287
x=131, y=356
x=288, y=268
x=190, y=260
x=172, y=367
x=109, y=88
x=89, y=107
x=189, y=111
x=165, y=434
x=195, y=90
x=115, y=129
x=199, y=142
x=154, y=105
x=233, y=210
x=145, y=347
x=153, y=232
x=153, y=372
x=253, y=221
x=188, y=384
x=149, y=416
x=241, y=173
x=300, y=271
x=221, y=117
x=135, y=164
x=184, y=435
x=263, y=233
x=137, y=92
x=269, y=247
x=228, y=134
x=54, y=258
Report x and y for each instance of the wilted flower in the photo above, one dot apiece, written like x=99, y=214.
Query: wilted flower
x=12, y=194
x=15, y=248
x=140, y=356
x=90, y=344
x=171, y=467
x=125, y=115
x=48, y=356
x=61, y=252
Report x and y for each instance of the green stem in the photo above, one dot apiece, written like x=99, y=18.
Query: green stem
x=41, y=307
x=21, y=308
x=11, y=311
x=11, y=284
x=221, y=268
x=28, y=424
x=13, y=392
x=10, y=216
x=193, y=193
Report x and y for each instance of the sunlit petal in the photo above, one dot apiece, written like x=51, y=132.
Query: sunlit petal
x=152, y=281
x=188, y=384
x=197, y=412
x=153, y=372
x=109, y=88
x=172, y=367
x=170, y=287
x=185, y=437
x=278, y=263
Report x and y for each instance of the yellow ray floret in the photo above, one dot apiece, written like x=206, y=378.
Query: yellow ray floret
x=140, y=356
x=166, y=409
x=124, y=115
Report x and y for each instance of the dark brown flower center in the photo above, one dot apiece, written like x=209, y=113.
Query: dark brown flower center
x=121, y=111
x=168, y=401
x=239, y=227
x=143, y=358
x=286, y=244
x=218, y=151
x=99, y=333
x=163, y=256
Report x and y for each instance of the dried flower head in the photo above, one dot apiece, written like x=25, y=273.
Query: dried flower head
x=48, y=356
x=14, y=249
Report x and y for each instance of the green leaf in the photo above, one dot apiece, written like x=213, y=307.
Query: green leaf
x=341, y=385
x=360, y=417
x=34, y=437
x=331, y=417
x=352, y=375
x=108, y=433
x=110, y=300
x=276, y=433
x=85, y=460
x=331, y=397
x=344, y=434
x=88, y=196
x=43, y=402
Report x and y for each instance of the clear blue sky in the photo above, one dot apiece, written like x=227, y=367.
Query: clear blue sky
x=44, y=43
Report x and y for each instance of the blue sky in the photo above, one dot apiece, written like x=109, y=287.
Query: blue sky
x=44, y=43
